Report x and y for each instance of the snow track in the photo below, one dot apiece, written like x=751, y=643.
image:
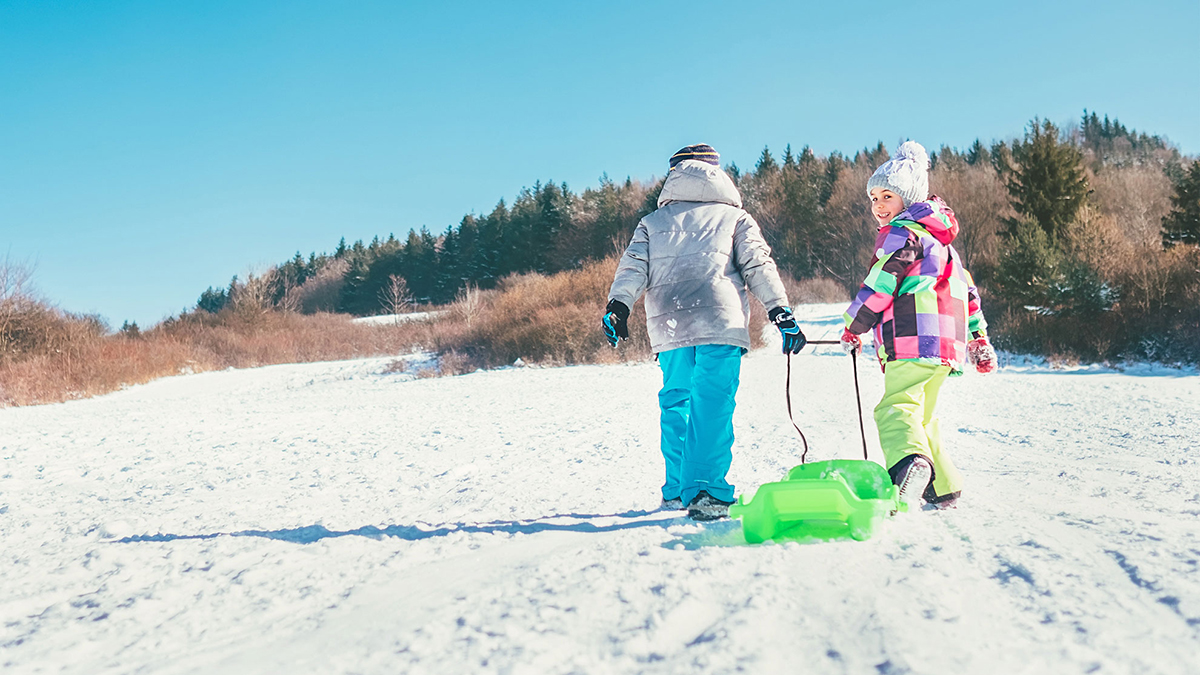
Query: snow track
x=327, y=518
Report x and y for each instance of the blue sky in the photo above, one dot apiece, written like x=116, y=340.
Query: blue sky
x=149, y=150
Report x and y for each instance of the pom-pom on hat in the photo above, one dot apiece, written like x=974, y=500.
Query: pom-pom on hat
x=906, y=173
x=702, y=152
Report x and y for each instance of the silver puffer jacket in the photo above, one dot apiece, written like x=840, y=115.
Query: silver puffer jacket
x=694, y=258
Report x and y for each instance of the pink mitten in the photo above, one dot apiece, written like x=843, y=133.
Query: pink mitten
x=851, y=342
x=981, y=355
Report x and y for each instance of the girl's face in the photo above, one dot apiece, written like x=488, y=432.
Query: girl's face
x=885, y=205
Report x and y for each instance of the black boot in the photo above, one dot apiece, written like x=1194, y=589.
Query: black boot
x=913, y=474
x=707, y=507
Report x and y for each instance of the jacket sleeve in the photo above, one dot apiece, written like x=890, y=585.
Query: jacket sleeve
x=633, y=272
x=900, y=249
x=752, y=256
x=976, y=324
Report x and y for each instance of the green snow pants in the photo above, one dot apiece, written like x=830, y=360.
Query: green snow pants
x=907, y=425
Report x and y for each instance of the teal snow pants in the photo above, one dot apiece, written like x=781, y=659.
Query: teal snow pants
x=696, y=400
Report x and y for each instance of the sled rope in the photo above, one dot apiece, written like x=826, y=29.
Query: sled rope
x=787, y=393
x=857, y=398
x=858, y=401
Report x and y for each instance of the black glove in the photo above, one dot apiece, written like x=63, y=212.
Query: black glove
x=615, y=316
x=793, y=338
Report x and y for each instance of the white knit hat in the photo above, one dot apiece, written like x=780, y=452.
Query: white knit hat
x=906, y=173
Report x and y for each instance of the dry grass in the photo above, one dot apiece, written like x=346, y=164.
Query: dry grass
x=47, y=355
x=70, y=357
x=50, y=356
x=809, y=291
x=555, y=320
x=552, y=320
x=1156, y=316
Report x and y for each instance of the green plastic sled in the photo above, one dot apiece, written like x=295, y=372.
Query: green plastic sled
x=822, y=500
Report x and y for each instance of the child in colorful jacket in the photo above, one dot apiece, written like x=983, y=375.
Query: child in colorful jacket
x=923, y=308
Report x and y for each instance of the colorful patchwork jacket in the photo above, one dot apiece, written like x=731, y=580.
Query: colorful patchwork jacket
x=918, y=297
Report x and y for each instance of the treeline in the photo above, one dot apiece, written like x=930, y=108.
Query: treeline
x=1073, y=236
x=547, y=229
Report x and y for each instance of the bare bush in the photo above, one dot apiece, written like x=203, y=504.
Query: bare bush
x=850, y=230
x=322, y=292
x=453, y=363
x=15, y=279
x=75, y=357
x=395, y=296
x=980, y=203
x=15, y=300
x=1137, y=197
x=469, y=303
x=820, y=290
x=251, y=298
x=396, y=366
x=31, y=327
x=290, y=300
x=545, y=319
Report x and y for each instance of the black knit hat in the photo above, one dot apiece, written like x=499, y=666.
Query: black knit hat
x=702, y=152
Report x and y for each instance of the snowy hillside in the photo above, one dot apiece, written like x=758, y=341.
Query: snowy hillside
x=328, y=518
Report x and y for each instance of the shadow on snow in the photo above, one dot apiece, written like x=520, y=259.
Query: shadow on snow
x=314, y=533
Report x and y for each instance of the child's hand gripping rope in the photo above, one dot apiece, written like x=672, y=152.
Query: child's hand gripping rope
x=851, y=343
x=793, y=337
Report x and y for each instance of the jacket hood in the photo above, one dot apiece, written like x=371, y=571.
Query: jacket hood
x=695, y=181
x=935, y=216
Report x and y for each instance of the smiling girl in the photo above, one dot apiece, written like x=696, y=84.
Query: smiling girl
x=923, y=308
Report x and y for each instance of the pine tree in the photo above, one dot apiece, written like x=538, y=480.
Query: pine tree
x=448, y=276
x=833, y=168
x=1182, y=224
x=616, y=210
x=555, y=205
x=978, y=154
x=419, y=264
x=799, y=214
x=789, y=160
x=1046, y=182
x=650, y=205
x=213, y=300
x=520, y=254
x=1030, y=265
x=872, y=158
x=468, y=250
x=807, y=157
x=357, y=297
x=1001, y=157
x=494, y=253
x=766, y=164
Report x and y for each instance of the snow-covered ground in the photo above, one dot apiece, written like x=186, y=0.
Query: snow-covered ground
x=329, y=518
x=390, y=319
